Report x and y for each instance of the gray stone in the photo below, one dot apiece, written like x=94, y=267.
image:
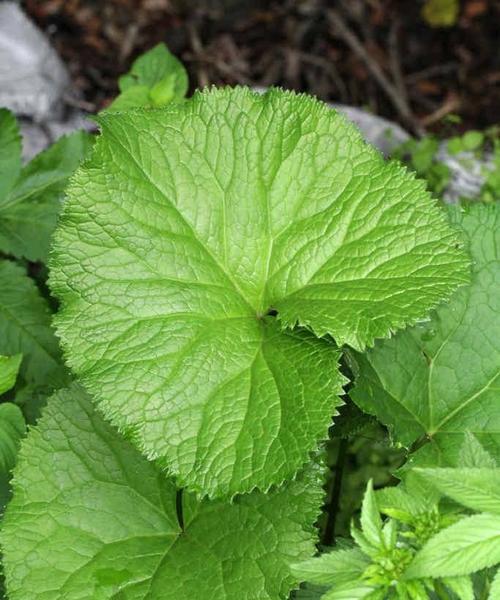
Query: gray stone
x=32, y=77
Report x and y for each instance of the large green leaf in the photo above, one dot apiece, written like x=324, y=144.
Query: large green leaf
x=189, y=228
x=92, y=518
x=28, y=213
x=468, y=546
x=10, y=152
x=25, y=327
x=442, y=378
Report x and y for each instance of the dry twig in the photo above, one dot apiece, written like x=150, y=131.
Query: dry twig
x=391, y=90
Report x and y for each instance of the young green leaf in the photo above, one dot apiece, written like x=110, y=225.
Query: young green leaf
x=309, y=592
x=398, y=503
x=472, y=454
x=371, y=522
x=10, y=152
x=9, y=368
x=25, y=327
x=332, y=568
x=190, y=228
x=495, y=587
x=468, y=546
x=461, y=586
x=155, y=79
x=12, y=429
x=354, y=590
x=441, y=378
x=478, y=489
x=91, y=517
x=28, y=213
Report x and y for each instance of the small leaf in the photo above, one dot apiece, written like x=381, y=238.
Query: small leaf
x=163, y=92
x=415, y=589
x=25, y=327
x=28, y=214
x=180, y=259
x=472, y=454
x=392, y=499
x=468, y=546
x=441, y=13
x=332, y=568
x=371, y=522
x=155, y=79
x=461, y=586
x=477, y=489
x=495, y=587
x=9, y=368
x=12, y=429
x=366, y=546
x=355, y=590
x=472, y=140
x=10, y=152
x=134, y=96
x=309, y=592
x=92, y=518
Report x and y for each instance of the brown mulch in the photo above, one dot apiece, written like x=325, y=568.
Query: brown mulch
x=378, y=54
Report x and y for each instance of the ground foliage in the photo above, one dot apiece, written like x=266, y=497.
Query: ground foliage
x=433, y=535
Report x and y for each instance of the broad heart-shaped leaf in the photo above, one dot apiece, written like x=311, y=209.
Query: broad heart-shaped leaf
x=442, y=378
x=10, y=152
x=92, y=518
x=25, y=327
x=28, y=212
x=465, y=547
x=191, y=224
x=9, y=368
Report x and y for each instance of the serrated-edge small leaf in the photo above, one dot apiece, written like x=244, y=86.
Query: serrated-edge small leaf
x=12, y=429
x=355, y=590
x=471, y=544
x=25, y=327
x=475, y=488
x=494, y=593
x=473, y=454
x=371, y=522
x=462, y=586
x=28, y=214
x=332, y=568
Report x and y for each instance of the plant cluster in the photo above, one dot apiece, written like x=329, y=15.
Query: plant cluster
x=242, y=289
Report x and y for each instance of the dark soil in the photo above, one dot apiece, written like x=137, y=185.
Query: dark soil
x=401, y=68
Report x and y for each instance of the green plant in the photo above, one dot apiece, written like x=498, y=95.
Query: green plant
x=230, y=269
x=155, y=79
x=426, y=547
